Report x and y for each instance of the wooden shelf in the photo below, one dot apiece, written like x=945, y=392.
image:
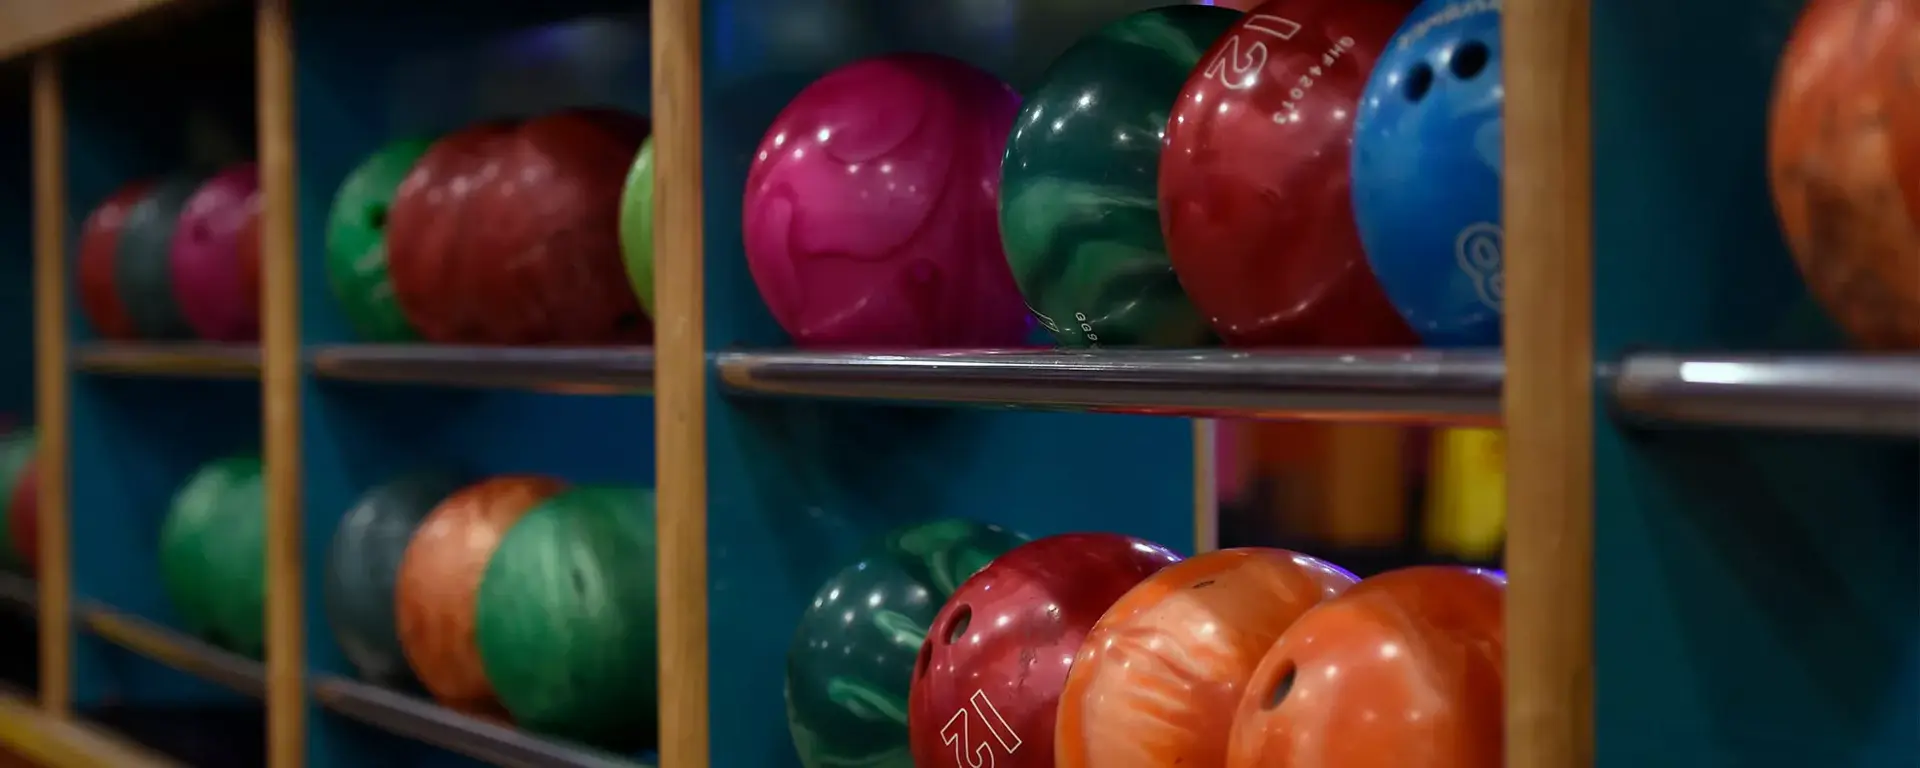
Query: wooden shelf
x=444, y=728
x=28, y=25
x=193, y=360
x=176, y=650
x=66, y=743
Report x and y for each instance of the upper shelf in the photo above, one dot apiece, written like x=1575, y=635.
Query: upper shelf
x=188, y=359
x=28, y=25
x=1374, y=385
x=573, y=370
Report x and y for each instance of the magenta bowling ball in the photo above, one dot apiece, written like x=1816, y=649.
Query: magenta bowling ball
x=209, y=281
x=871, y=209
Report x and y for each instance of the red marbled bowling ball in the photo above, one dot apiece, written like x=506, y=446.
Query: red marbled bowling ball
x=428, y=237
x=509, y=234
x=23, y=516
x=1255, y=193
x=99, y=240
x=987, y=685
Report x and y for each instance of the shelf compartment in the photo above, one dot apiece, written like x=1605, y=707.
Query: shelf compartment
x=194, y=360
x=19, y=594
x=1841, y=393
x=1414, y=386
x=561, y=370
x=176, y=650
x=428, y=722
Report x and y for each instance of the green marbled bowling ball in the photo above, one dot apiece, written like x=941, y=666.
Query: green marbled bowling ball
x=1079, y=212
x=357, y=243
x=851, y=662
x=213, y=555
x=566, y=620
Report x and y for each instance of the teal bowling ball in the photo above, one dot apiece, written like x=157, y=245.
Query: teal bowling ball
x=362, y=563
x=566, y=618
x=851, y=662
x=1079, y=185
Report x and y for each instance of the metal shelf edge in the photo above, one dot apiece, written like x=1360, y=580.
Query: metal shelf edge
x=168, y=359
x=1437, y=386
x=475, y=738
x=1865, y=394
x=173, y=649
x=565, y=370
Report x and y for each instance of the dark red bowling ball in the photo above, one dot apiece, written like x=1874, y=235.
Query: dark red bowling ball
x=987, y=684
x=427, y=235
x=547, y=233
x=1254, y=192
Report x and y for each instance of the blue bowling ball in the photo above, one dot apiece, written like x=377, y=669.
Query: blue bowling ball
x=1426, y=172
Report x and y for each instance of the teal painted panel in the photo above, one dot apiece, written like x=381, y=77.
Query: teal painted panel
x=1757, y=596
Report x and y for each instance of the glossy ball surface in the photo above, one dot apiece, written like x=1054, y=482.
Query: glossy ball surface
x=99, y=239
x=363, y=566
x=1254, y=191
x=850, y=666
x=869, y=209
x=1078, y=198
x=439, y=581
x=1404, y=670
x=1157, y=681
x=1427, y=154
x=356, y=261
x=209, y=282
x=987, y=684
x=1844, y=162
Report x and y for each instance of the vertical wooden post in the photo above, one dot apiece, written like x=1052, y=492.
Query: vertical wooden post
x=680, y=384
x=1549, y=390
x=280, y=387
x=51, y=393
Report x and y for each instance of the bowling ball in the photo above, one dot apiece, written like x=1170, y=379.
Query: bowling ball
x=209, y=283
x=1254, y=192
x=23, y=517
x=143, y=260
x=439, y=582
x=636, y=226
x=1844, y=162
x=1156, y=682
x=357, y=242
x=987, y=682
x=16, y=458
x=869, y=212
x=99, y=241
x=1427, y=146
x=850, y=666
x=1406, y=663
x=1078, y=210
x=429, y=239
x=566, y=619
x=363, y=564
x=246, y=249
x=538, y=237
x=213, y=554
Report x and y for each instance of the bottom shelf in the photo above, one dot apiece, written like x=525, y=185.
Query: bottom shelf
x=389, y=711
x=433, y=724
x=34, y=737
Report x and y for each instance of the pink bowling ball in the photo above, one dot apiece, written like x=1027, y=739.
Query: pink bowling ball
x=208, y=280
x=871, y=209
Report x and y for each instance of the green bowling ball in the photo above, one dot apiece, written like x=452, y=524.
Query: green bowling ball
x=1079, y=213
x=16, y=452
x=636, y=226
x=851, y=662
x=566, y=620
x=357, y=243
x=212, y=554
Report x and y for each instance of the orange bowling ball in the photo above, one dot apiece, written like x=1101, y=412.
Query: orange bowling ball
x=439, y=580
x=1844, y=162
x=1156, y=682
x=1404, y=670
